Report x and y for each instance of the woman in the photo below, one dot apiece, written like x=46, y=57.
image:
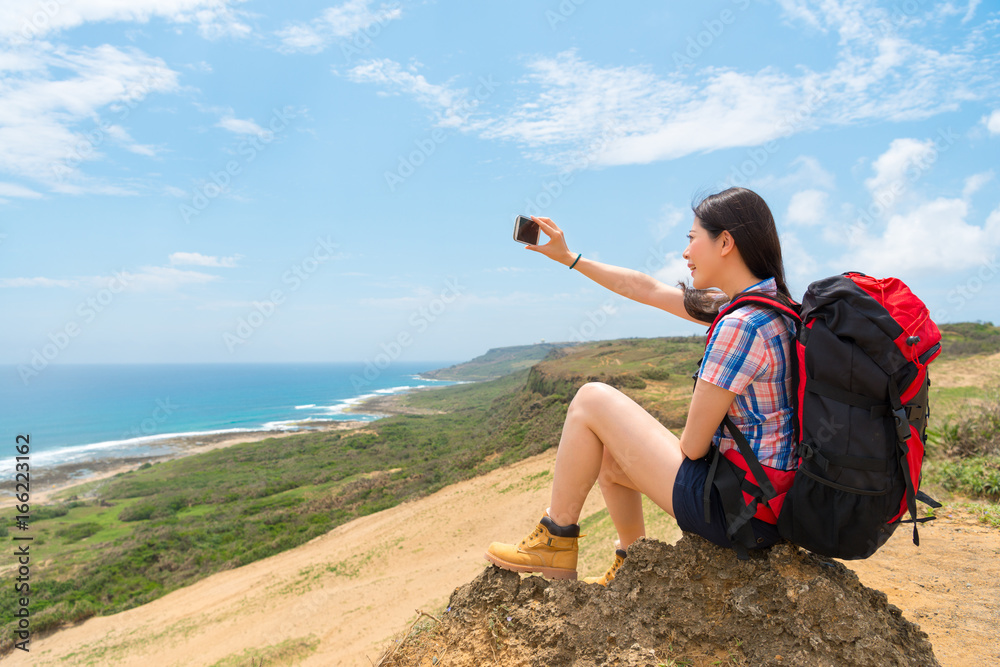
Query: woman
x=607, y=437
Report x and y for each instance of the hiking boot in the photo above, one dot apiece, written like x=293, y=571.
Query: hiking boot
x=608, y=576
x=550, y=550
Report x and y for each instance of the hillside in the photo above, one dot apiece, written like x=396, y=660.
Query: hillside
x=469, y=432
x=496, y=363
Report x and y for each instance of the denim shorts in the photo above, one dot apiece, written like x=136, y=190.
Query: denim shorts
x=689, y=508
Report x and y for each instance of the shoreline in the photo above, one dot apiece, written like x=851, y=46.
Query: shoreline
x=46, y=482
x=389, y=405
x=50, y=481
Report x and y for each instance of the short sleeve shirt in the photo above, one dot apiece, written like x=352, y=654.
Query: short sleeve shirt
x=748, y=355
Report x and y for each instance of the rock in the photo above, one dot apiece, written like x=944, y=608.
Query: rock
x=690, y=602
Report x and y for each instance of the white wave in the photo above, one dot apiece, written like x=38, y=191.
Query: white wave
x=305, y=407
x=76, y=453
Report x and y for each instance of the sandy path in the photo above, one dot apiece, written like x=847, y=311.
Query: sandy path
x=354, y=587
x=386, y=566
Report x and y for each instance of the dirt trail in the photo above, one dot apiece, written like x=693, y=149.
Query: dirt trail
x=349, y=591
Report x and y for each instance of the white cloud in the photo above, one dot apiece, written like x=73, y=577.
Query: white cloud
x=339, y=22
x=808, y=173
x=672, y=217
x=51, y=115
x=971, y=11
x=644, y=117
x=675, y=269
x=934, y=237
x=164, y=278
x=147, y=278
x=800, y=266
x=975, y=182
x=197, y=259
x=240, y=126
x=14, y=190
x=582, y=113
x=900, y=164
x=22, y=21
x=39, y=282
x=807, y=207
x=452, y=106
x=992, y=122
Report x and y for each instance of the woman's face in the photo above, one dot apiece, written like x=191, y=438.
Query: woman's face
x=703, y=256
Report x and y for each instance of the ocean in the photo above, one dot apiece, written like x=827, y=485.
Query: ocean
x=78, y=413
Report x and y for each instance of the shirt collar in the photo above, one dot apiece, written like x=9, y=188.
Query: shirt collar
x=768, y=286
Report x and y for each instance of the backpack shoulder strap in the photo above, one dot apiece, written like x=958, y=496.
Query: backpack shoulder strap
x=763, y=300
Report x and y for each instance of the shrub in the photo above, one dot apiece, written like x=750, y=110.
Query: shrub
x=626, y=381
x=976, y=433
x=976, y=477
x=48, y=512
x=655, y=374
x=137, y=512
x=78, y=531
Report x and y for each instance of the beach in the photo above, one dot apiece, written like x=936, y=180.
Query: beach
x=154, y=413
x=49, y=481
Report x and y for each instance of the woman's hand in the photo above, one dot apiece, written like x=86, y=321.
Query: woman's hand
x=556, y=247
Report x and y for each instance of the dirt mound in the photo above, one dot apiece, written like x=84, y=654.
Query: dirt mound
x=692, y=603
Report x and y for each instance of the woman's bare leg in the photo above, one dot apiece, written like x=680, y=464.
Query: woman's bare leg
x=602, y=421
x=623, y=501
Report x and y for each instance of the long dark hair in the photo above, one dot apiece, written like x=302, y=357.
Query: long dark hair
x=747, y=218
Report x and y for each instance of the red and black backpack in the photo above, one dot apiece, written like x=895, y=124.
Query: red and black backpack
x=861, y=351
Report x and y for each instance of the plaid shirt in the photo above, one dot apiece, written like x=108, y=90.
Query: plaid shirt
x=748, y=356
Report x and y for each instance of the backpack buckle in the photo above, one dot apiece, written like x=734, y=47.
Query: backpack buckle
x=806, y=452
x=902, y=424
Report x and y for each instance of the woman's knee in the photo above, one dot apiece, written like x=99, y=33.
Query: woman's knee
x=592, y=396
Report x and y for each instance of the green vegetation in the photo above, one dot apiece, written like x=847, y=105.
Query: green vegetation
x=965, y=450
x=976, y=477
x=288, y=652
x=497, y=363
x=123, y=542
x=964, y=339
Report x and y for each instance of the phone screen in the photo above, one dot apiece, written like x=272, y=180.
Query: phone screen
x=526, y=230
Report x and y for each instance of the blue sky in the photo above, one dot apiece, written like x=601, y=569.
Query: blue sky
x=244, y=181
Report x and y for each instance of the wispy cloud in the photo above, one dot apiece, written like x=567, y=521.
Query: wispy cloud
x=992, y=122
x=451, y=106
x=807, y=207
x=197, y=259
x=339, y=22
x=21, y=21
x=882, y=71
x=146, y=278
x=240, y=126
x=14, y=190
x=51, y=110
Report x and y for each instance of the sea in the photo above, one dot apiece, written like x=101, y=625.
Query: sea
x=79, y=413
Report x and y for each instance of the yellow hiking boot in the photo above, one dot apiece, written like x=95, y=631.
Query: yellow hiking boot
x=608, y=576
x=550, y=550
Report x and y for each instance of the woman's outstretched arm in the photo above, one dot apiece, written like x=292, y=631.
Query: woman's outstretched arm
x=629, y=283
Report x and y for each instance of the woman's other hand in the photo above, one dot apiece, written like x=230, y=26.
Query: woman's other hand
x=556, y=247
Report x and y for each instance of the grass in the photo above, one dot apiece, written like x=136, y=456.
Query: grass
x=146, y=532
x=965, y=339
x=119, y=543
x=288, y=652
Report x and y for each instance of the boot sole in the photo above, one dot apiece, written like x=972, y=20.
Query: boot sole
x=547, y=572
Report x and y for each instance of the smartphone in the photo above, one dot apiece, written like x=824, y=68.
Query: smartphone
x=525, y=230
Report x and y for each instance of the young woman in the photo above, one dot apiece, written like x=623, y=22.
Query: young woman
x=607, y=437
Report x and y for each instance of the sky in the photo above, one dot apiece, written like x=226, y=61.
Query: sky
x=251, y=181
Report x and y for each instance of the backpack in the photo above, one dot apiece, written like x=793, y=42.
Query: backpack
x=859, y=378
